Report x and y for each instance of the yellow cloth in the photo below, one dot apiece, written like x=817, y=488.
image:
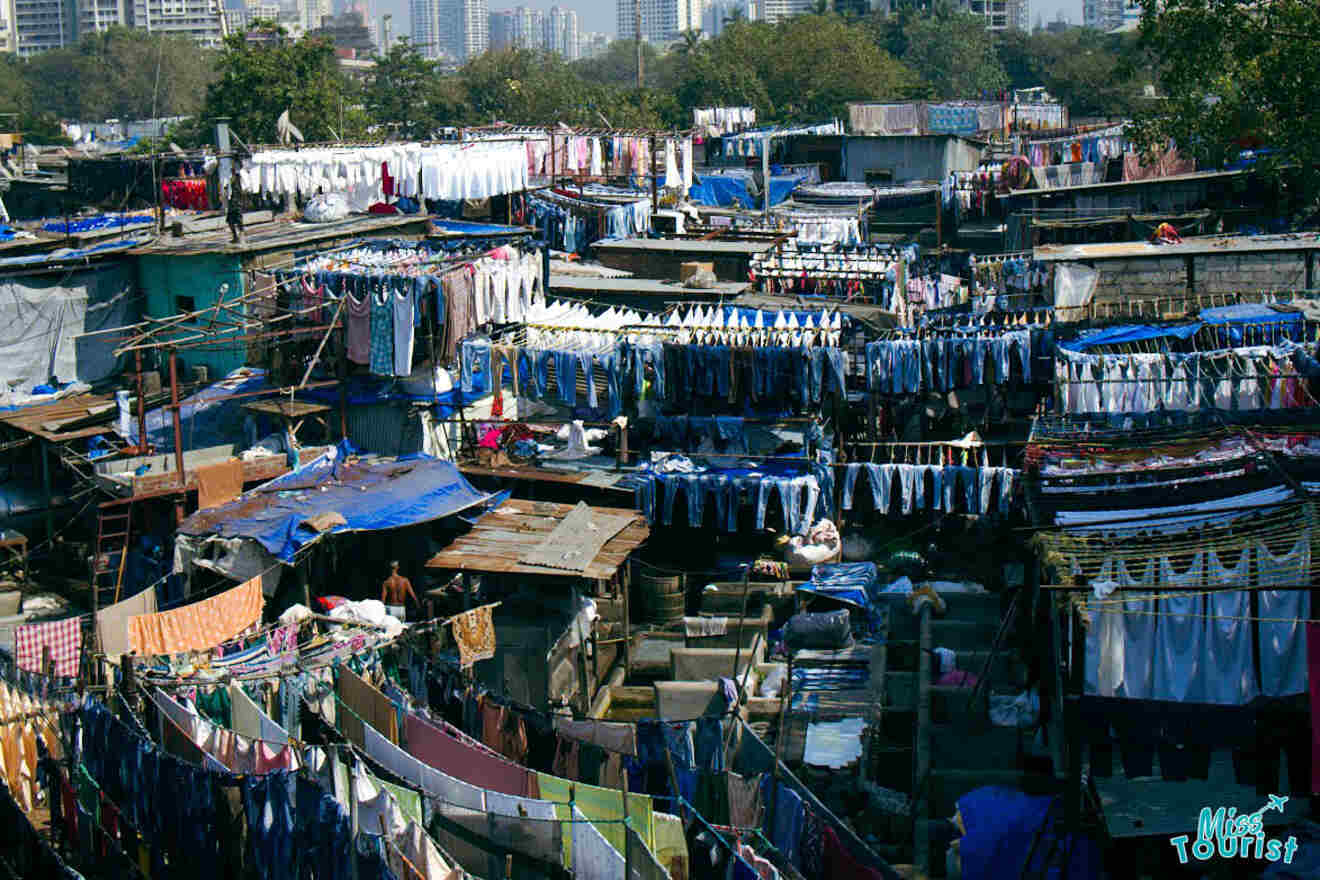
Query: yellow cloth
x=199, y=626
x=671, y=849
x=603, y=805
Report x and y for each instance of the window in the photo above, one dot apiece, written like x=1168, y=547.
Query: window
x=874, y=176
x=185, y=303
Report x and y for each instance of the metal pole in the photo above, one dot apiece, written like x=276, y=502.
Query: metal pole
x=765, y=175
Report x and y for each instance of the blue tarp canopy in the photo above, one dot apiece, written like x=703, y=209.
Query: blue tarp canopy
x=1253, y=324
x=370, y=495
x=467, y=227
x=722, y=191
x=213, y=416
x=1129, y=333
x=851, y=582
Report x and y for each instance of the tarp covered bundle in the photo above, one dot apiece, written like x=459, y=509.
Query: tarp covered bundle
x=334, y=494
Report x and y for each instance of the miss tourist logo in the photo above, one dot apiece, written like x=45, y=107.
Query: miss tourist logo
x=1224, y=834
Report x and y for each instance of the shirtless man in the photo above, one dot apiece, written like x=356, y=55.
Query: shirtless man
x=395, y=591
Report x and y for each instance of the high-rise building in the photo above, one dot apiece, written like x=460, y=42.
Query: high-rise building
x=561, y=33
x=199, y=20
x=501, y=29
x=8, y=35
x=772, y=11
x=593, y=44
x=42, y=24
x=663, y=21
x=424, y=25
x=474, y=29
x=1103, y=15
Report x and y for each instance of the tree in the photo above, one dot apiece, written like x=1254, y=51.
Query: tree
x=406, y=93
x=521, y=86
x=954, y=53
x=121, y=72
x=792, y=70
x=1237, y=74
x=259, y=79
x=1093, y=73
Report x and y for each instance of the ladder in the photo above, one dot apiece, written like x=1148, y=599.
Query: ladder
x=113, y=533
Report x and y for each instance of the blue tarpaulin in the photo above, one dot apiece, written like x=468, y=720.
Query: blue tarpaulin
x=721, y=191
x=467, y=227
x=851, y=582
x=64, y=254
x=1011, y=834
x=1129, y=333
x=370, y=495
x=1253, y=324
x=213, y=416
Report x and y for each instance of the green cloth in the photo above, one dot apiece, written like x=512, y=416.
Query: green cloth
x=409, y=801
x=214, y=704
x=87, y=792
x=604, y=807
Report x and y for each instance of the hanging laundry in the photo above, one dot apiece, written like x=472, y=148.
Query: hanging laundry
x=62, y=637
x=474, y=631
x=199, y=626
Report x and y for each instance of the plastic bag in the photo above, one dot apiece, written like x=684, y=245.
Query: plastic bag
x=827, y=631
x=326, y=208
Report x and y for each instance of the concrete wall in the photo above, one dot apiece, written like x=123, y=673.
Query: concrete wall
x=203, y=278
x=927, y=157
x=1151, y=277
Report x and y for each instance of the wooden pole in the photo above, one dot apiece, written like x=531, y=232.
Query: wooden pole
x=141, y=405
x=178, y=435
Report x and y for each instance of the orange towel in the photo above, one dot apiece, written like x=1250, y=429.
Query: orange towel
x=199, y=626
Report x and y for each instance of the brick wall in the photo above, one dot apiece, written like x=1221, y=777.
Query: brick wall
x=1154, y=277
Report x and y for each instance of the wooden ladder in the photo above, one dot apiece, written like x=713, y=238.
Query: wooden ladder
x=114, y=530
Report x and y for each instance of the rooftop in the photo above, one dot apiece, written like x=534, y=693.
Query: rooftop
x=1207, y=245
x=501, y=538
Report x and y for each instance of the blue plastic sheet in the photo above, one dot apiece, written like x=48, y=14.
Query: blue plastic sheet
x=100, y=221
x=1129, y=333
x=467, y=227
x=1011, y=834
x=67, y=254
x=369, y=495
x=782, y=187
x=851, y=582
x=720, y=192
x=210, y=417
x=1253, y=324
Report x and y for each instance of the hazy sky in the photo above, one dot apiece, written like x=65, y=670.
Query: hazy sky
x=598, y=15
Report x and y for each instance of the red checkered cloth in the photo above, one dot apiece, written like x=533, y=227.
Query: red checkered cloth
x=64, y=638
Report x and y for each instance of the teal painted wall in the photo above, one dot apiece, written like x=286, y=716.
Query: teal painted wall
x=173, y=284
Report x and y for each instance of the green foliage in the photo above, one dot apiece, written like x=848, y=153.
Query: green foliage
x=525, y=87
x=953, y=53
x=112, y=74
x=260, y=79
x=406, y=94
x=1094, y=73
x=1237, y=75
x=791, y=70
